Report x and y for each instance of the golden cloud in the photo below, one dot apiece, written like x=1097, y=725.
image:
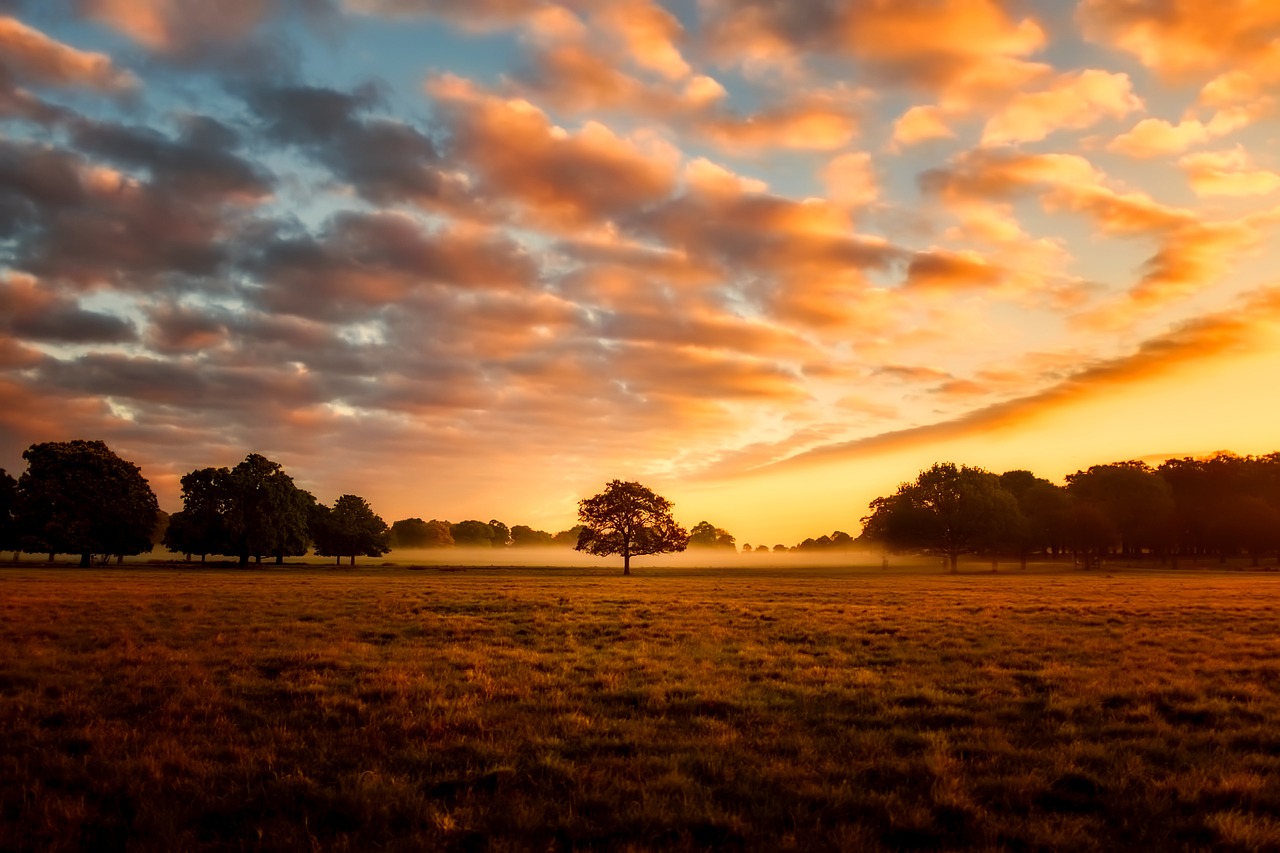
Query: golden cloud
x=29, y=55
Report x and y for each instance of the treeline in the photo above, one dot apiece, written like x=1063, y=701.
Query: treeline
x=78, y=497
x=1217, y=507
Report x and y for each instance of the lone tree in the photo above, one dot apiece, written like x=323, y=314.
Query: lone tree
x=948, y=511
x=628, y=520
x=350, y=529
x=77, y=497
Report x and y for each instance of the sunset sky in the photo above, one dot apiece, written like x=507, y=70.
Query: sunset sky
x=474, y=258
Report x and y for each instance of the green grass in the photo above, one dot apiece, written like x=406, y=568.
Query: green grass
x=559, y=709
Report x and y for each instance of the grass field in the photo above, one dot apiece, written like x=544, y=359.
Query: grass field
x=559, y=709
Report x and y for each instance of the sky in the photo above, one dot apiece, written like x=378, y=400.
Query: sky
x=476, y=258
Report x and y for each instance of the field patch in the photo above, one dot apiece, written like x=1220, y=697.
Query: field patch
x=570, y=709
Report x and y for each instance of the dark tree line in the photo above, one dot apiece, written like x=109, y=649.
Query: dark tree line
x=1220, y=507
x=78, y=497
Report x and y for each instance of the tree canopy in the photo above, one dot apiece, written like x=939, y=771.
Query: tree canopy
x=948, y=510
x=78, y=497
x=628, y=520
x=350, y=529
x=416, y=533
x=8, y=503
x=704, y=534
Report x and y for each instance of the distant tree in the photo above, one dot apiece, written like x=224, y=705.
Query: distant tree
x=779, y=549
x=472, y=534
x=416, y=533
x=627, y=520
x=706, y=535
x=200, y=527
x=351, y=529
x=747, y=549
x=77, y=497
x=499, y=534
x=523, y=536
x=1090, y=534
x=762, y=549
x=841, y=541
x=8, y=503
x=1133, y=498
x=948, y=510
x=1250, y=524
x=569, y=538
x=410, y=533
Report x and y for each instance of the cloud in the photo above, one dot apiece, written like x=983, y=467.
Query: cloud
x=1184, y=39
x=76, y=221
x=950, y=271
x=1227, y=173
x=932, y=46
x=28, y=56
x=364, y=262
x=1071, y=102
x=850, y=179
x=473, y=14
x=553, y=178
x=920, y=123
x=1248, y=327
x=384, y=160
x=34, y=311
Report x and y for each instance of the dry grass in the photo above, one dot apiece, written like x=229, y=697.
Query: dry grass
x=564, y=709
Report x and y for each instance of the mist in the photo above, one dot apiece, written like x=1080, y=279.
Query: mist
x=691, y=559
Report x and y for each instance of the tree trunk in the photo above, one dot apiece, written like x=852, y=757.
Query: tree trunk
x=626, y=563
x=279, y=559
x=955, y=558
x=353, y=559
x=51, y=556
x=244, y=559
x=86, y=560
x=17, y=556
x=337, y=561
x=119, y=559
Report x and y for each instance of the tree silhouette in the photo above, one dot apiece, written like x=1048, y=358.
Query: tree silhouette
x=77, y=497
x=351, y=529
x=8, y=503
x=416, y=533
x=948, y=510
x=1132, y=497
x=706, y=535
x=628, y=520
x=524, y=536
x=200, y=526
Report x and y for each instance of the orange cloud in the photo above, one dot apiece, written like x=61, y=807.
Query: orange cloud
x=1186, y=38
x=921, y=123
x=558, y=179
x=650, y=34
x=1071, y=102
x=948, y=271
x=1249, y=327
x=850, y=179
x=1227, y=173
x=171, y=26
x=28, y=55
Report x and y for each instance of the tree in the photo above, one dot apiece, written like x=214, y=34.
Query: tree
x=569, y=538
x=200, y=526
x=77, y=497
x=628, y=520
x=350, y=529
x=706, y=535
x=472, y=534
x=1133, y=498
x=948, y=511
x=524, y=536
x=416, y=533
x=8, y=502
x=266, y=513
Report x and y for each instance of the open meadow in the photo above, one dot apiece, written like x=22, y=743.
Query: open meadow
x=382, y=708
